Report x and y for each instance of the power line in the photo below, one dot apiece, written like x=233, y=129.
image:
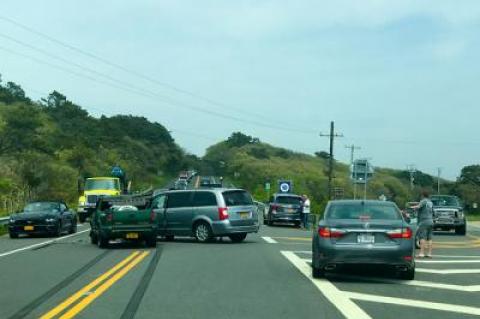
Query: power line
x=168, y=101
x=137, y=74
x=352, y=149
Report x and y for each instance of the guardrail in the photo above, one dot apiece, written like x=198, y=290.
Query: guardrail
x=4, y=220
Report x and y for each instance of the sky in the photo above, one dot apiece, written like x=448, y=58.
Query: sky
x=398, y=78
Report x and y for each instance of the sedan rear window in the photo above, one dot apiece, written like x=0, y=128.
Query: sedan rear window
x=237, y=198
x=363, y=211
x=290, y=200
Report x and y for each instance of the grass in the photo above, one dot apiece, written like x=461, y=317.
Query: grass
x=473, y=217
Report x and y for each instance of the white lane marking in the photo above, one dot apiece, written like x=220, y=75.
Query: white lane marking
x=447, y=261
x=270, y=240
x=448, y=271
x=308, y=252
x=414, y=303
x=348, y=308
x=11, y=252
x=454, y=256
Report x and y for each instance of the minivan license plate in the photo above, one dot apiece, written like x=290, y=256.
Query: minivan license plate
x=366, y=239
x=244, y=215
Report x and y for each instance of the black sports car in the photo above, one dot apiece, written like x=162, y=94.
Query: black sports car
x=45, y=217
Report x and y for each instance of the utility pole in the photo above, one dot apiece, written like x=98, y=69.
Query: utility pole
x=412, y=170
x=439, y=171
x=352, y=148
x=332, y=137
x=352, y=157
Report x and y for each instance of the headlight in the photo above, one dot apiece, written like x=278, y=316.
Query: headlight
x=11, y=220
x=460, y=214
x=51, y=220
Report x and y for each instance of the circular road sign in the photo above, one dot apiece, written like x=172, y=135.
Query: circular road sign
x=285, y=187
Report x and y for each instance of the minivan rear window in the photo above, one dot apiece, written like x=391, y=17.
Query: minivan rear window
x=237, y=198
x=204, y=199
x=363, y=211
x=290, y=200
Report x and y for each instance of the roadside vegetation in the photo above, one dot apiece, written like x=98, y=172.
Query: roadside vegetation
x=47, y=146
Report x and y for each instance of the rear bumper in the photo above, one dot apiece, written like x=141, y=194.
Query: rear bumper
x=288, y=218
x=325, y=253
x=115, y=233
x=224, y=228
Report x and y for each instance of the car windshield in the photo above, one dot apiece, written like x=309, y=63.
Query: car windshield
x=290, y=200
x=237, y=198
x=363, y=211
x=40, y=206
x=445, y=201
x=109, y=184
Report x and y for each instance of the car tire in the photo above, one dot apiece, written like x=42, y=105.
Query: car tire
x=82, y=218
x=409, y=274
x=297, y=224
x=151, y=241
x=13, y=235
x=73, y=227
x=202, y=232
x=318, y=272
x=58, y=231
x=169, y=237
x=102, y=242
x=417, y=242
x=93, y=238
x=461, y=230
x=270, y=222
x=237, y=238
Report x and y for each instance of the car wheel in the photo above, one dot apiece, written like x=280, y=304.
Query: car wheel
x=93, y=238
x=58, y=231
x=237, y=238
x=151, y=241
x=202, y=232
x=461, y=230
x=102, y=242
x=417, y=242
x=73, y=228
x=270, y=222
x=297, y=224
x=82, y=218
x=409, y=274
x=13, y=235
x=318, y=272
x=169, y=237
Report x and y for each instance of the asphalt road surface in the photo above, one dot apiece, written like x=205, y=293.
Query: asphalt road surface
x=267, y=276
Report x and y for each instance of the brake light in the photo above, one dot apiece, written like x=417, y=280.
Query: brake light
x=222, y=213
x=274, y=208
x=109, y=217
x=152, y=216
x=405, y=233
x=326, y=232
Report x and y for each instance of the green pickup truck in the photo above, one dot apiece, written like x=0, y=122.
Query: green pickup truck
x=123, y=217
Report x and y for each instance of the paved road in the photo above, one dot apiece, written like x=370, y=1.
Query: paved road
x=268, y=276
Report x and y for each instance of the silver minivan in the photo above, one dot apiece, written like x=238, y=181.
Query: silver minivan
x=205, y=214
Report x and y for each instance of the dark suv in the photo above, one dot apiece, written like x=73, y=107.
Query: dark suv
x=448, y=214
x=285, y=208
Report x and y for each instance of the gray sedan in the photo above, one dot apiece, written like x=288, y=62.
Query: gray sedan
x=360, y=232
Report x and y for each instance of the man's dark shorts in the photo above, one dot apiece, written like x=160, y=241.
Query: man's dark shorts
x=425, y=231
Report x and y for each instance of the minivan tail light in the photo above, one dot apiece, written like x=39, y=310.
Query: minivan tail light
x=222, y=213
x=399, y=233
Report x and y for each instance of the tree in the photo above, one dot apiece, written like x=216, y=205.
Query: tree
x=239, y=139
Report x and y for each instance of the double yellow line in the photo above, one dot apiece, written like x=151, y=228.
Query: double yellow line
x=96, y=288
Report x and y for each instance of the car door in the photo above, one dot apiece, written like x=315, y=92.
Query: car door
x=158, y=207
x=64, y=216
x=179, y=213
x=204, y=205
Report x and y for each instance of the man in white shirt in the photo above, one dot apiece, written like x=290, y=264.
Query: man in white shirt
x=306, y=211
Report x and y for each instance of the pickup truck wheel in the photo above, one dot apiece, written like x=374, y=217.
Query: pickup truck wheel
x=13, y=235
x=151, y=242
x=237, y=238
x=102, y=242
x=461, y=230
x=202, y=232
x=93, y=238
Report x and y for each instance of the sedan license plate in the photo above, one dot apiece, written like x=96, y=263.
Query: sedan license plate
x=245, y=215
x=28, y=228
x=132, y=236
x=366, y=239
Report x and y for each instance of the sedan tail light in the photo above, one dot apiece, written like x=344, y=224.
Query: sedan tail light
x=222, y=213
x=326, y=232
x=400, y=233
